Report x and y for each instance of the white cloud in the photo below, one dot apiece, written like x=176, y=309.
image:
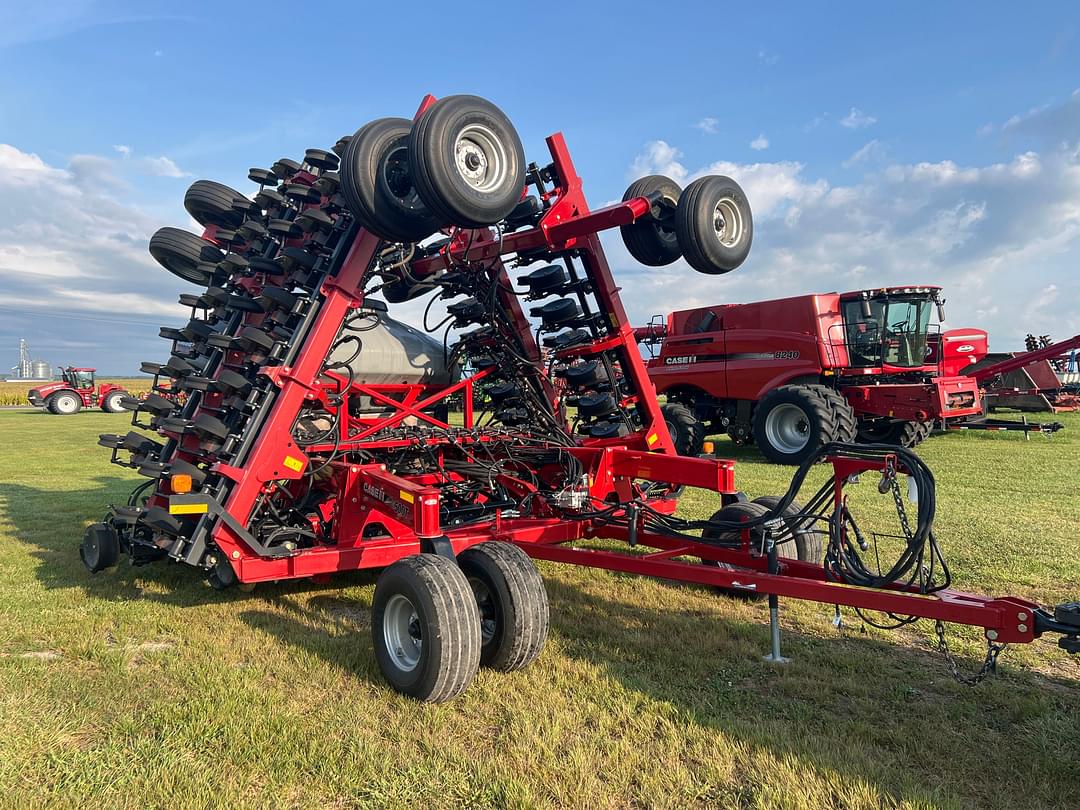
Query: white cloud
x=123, y=149
x=708, y=125
x=759, y=143
x=767, y=58
x=868, y=152
x=857, y=119
x=162, y=167
x=1002, y=238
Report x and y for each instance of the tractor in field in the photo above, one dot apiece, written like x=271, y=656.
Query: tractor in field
x=315, y=439
x=794, y=374
x=76, y=390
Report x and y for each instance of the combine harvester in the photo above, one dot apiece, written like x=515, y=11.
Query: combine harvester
x=793, y=374
x=315, y=438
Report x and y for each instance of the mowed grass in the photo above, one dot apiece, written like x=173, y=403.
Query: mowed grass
x=145, y=688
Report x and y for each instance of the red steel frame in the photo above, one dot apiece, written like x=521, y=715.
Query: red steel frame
x=407, y=508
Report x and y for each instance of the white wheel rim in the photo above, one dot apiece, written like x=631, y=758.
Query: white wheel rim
x=65, y=405
x=401, y=632
x=480, y=158
x=728, y=222
x=787, y=428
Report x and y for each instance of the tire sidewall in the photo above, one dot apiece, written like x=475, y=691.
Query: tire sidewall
x=400, y=579
x=61, y=397
x=800, y=399
x=480, y=567
x=694, y=224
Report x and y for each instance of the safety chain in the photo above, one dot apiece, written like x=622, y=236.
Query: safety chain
x=988, y=667
x=901, y=510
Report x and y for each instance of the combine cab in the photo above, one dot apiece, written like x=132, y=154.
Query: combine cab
x=77, y=391
x=794, y=374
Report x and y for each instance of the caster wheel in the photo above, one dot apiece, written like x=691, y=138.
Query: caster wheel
x=222, y=575
x=467, y=162
x=652, y=241
x=714, y=225
x=377, y=182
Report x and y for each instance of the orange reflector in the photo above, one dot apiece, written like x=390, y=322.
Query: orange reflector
x=180, y=483
x=707, y=448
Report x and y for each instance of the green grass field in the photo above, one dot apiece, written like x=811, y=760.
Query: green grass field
x=147, y=688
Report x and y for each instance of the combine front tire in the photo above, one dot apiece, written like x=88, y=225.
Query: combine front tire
x=467, y=162
x=687, y=433
x=792, y=422
x=652, y=240
x=426, y=628
x=894, y=431
x=512, y=601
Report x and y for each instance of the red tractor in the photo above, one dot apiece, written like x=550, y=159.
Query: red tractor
x=75, y=391
x=794, y=374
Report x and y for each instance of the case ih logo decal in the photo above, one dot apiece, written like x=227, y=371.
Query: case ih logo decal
x=687, y=359
x=967, y=347
x=678, y=361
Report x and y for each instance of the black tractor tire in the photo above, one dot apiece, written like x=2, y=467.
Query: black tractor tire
x=687, y=432
x=652, y=240
x=111, y=401
x=894, y=431
x=512, y=601
x=809, y=541
x=714, y=225
x=211, y=203
x=793, y=422
x=65, y=403
x=100, y=548
x=181, y=252
x=844, y=416
x=378, y=186
x=467, y=162
x=742, y=511
x=426, y=628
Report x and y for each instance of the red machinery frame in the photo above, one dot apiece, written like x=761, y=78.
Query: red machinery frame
x=381, y=517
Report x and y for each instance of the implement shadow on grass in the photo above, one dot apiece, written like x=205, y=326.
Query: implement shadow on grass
x=886, y=714
x=52, y=522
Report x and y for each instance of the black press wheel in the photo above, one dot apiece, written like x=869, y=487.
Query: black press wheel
x=893, y=431
x=181, y=252
x=100, y=548
x=687, y=433
x=467, y=162
x=652, y=240
x=378, y=186
x=714, y=225
x=426, y=628
x=512, y=601
x=211, y=203
x=65, y=403
x=112, y=402
x=803, y=541
x=740, y=512
x=793, y=422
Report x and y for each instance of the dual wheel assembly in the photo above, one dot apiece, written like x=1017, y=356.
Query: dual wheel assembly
x=435, y=622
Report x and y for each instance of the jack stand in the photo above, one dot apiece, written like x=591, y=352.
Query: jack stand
x=774, y=657
x=837, y=619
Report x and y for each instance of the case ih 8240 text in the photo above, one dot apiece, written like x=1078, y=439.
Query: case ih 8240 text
x=314, y=438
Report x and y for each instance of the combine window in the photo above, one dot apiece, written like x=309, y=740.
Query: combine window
x=894, y=334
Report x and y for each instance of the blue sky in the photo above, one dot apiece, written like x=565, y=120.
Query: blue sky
x=877, y=146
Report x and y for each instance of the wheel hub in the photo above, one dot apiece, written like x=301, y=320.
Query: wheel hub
x=727, y=222
x=402, y=633
x=480, y=158
x=787, y=428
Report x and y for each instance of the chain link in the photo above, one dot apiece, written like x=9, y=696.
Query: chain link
x=988, y=667
x=901, y=510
